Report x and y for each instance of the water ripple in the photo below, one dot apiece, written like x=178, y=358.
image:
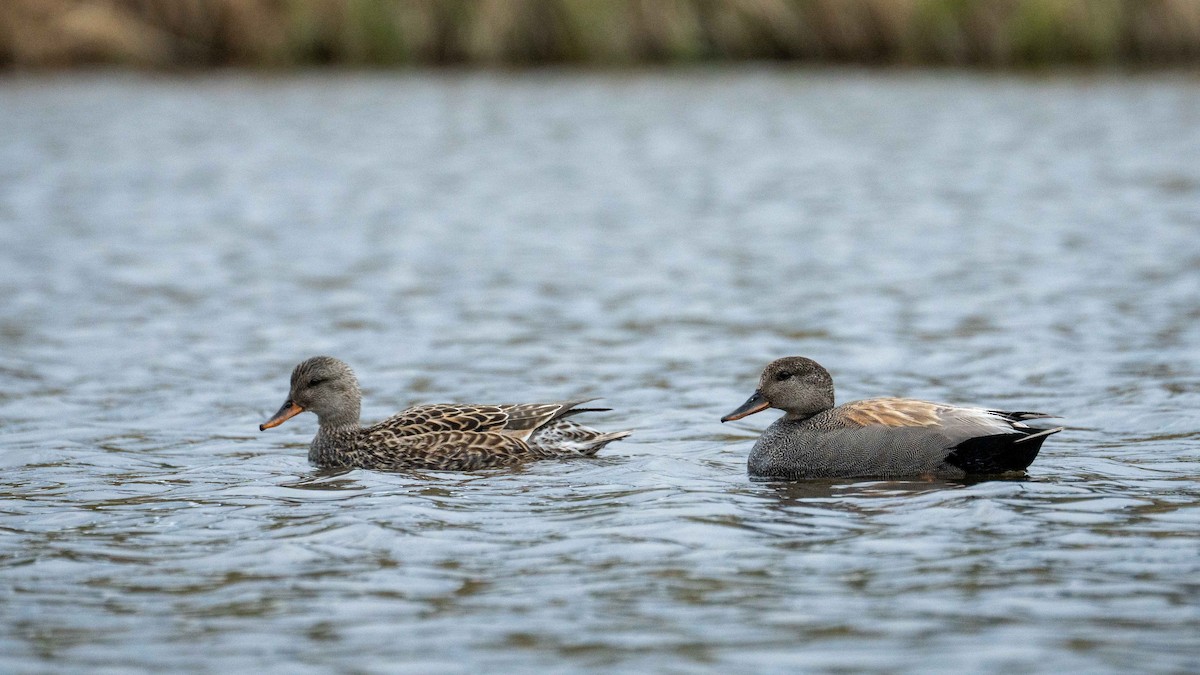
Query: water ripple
x=170, y=248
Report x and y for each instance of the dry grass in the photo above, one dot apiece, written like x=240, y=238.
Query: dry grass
x=199, y=33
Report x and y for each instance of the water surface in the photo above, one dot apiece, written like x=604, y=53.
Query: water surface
x=171, y=247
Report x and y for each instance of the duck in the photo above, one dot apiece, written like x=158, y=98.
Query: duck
x=879, y=437
x=447, y=437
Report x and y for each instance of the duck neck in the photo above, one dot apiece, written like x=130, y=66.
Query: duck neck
x=333, y=442
x=808, y=407
x=341, y=415
x=790, y=416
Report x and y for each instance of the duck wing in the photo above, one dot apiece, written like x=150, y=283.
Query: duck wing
x=519, y=420
x=425, y=419
x=925, y=435
x=955, y=422
x=524, y=419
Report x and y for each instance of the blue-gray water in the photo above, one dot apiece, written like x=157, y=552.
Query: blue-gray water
x=171, y=247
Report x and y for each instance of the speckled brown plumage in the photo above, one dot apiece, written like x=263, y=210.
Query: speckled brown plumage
x=452, y=436
x=881, y=437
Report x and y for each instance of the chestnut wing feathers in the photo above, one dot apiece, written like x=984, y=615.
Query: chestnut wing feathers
x=954, y=423
x=892, y=412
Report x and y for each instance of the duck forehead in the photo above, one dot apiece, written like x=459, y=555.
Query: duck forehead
x=301, y=371
x=768, y=373
x=797, y=365
x=320, y=365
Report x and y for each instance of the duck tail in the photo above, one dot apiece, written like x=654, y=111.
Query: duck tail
x=569, y=408
x=1021, y=415
x=1041, y=433
x=591, y=446
x=604, y=439
x=564, y=438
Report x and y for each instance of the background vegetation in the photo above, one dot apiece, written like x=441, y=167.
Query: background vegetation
x=202, y=33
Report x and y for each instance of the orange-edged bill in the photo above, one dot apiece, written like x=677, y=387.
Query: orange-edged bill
x=286, y=412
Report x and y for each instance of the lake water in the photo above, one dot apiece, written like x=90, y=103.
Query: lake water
x=171, y=246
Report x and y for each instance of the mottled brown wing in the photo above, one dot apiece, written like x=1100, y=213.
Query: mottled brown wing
x=445, y=450
x=424, y=419
x=525, y=418
x=893, y=412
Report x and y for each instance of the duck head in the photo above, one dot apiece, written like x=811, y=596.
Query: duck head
x=794, y=384
x=322, y=385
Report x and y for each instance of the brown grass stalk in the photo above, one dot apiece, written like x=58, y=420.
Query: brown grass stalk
x=201, y=33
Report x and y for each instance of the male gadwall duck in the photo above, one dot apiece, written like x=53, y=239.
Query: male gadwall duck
x=449, y=437
x=879, y=437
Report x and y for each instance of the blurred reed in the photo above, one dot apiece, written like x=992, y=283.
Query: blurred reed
x=201, y=33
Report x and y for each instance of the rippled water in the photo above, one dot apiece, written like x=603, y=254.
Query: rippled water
x=170, y=247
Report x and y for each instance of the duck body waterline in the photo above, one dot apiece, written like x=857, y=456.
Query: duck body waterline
x=450, y=437
x=882, y=437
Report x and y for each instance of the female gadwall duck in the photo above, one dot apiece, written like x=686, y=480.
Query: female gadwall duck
x=449, y=437
x=879, y=437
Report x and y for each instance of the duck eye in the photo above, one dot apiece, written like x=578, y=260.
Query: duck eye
x=316, y=380
x=783, y=375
